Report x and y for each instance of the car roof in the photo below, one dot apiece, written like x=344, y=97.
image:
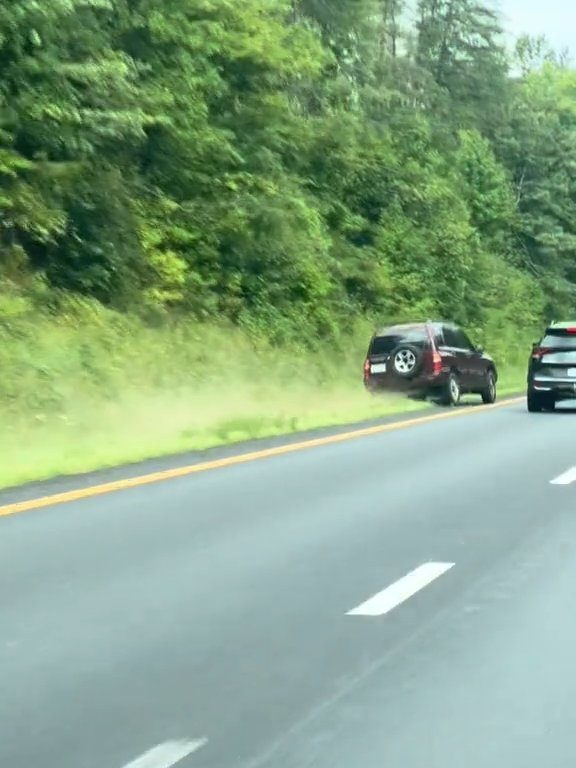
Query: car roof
x=403, y=327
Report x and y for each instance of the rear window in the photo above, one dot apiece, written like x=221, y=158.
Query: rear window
x=382, y=345
x=559, y=339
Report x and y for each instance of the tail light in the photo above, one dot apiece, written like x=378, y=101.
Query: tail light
x=436, y=362
x=433, y=362
x=539, y=352
x=366, y=369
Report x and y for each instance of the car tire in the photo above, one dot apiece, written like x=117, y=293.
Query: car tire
x=407, y=361
x=452, y=391
x=489, y=392
x=534, y=402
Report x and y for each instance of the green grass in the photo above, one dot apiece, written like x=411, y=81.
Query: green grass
x=139, y=428
x=82, y=388
x=512, y=380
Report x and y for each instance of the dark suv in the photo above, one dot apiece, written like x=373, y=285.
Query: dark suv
x=434, y=360
x=552, y=368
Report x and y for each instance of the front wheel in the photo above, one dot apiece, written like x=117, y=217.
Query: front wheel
x=489, y=391
x=452, y=391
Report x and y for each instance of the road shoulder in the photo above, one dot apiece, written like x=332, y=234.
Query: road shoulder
x=77, y=483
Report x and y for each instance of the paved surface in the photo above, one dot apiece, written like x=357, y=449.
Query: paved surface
x=219, y=620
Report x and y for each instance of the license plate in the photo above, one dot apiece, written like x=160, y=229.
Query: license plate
x=572, y=372
x=378, y=368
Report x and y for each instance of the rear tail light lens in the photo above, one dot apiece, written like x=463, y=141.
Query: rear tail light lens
x=366, y=368
x=539, y=352
x=434, y=357
x=433, y=362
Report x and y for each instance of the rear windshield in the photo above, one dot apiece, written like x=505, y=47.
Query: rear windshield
x=382, y=345
x=559, y=340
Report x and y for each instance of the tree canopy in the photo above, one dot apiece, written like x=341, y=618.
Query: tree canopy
x=287, y=164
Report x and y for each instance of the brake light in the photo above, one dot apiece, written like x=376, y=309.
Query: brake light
x=433, y=362
x=436, y=362
x=539, y=352
x=570, y=330
x=435, y=357
x=366, y=369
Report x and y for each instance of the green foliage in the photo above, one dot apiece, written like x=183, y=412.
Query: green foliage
x=459, y=43
x=286, y=165
x=487, y=191
x=539, y=148
x=84, y=387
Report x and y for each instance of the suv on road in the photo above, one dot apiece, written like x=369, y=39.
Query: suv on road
x=552, y=368
x=432, y=359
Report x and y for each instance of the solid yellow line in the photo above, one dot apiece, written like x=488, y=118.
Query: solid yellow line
x=242, y=458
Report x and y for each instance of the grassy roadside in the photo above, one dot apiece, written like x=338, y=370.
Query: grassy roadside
x=152, y=426
x=512, y=380
x=82, y=388
x=157, y=425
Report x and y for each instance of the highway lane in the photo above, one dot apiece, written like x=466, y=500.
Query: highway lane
x=216, y=607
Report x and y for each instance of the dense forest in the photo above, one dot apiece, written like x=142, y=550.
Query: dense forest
x=286, y=165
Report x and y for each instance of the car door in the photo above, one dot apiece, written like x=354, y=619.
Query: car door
x=472, y=362
x=458, y=352
x=451, y=353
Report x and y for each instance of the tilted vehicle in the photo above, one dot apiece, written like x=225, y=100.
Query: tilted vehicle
x=552, y=368
x=432, y=359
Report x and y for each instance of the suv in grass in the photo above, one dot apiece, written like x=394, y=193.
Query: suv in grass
x=435, y=360
x=552, y=368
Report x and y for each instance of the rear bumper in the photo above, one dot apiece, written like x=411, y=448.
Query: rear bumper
x=421, y=385
x=560, y=388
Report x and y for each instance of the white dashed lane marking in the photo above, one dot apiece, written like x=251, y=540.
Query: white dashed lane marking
x=167, y=754
x=403, y=589
x=566, y=478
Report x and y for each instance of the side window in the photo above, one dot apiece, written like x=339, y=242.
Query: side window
x=463, y=340
x=439, y=338
x=450, y=337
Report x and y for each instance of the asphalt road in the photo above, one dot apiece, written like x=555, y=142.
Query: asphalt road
x=404, y=600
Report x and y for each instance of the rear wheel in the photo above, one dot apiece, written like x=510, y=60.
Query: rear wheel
x=538, y=402
x=452, y=390
x=534, y=403
x=489, y=391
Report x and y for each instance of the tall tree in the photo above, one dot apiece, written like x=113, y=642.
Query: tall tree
x=460, y=43
x=72, y=108
x=539, y=148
